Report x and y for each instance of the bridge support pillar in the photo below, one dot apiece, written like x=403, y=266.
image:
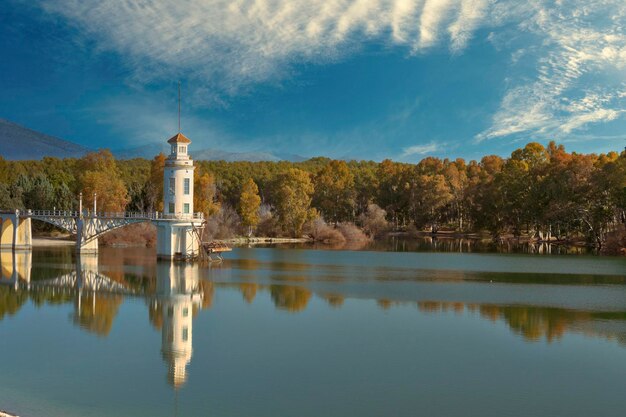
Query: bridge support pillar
x=89, y=247
x=177, y=238
x=15, y=231
x=23, y=236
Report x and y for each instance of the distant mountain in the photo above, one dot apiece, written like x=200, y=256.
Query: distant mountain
x=150, y=150
x=20, y=143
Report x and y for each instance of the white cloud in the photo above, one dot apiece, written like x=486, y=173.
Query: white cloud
x=230, y=44
x=225, y=46
x=472, y=13
x=421, y=149
x=580, y=70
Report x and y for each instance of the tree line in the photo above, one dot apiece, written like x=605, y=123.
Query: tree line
x=540, y=192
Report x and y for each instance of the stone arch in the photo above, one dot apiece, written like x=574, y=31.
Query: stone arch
x=6, y=233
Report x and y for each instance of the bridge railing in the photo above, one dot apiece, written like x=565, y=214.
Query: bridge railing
x=52, y=213
x=117, y=215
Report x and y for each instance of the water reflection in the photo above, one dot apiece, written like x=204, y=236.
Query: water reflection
x=96, y=297
x=174, y=294
x=456, y=244
x=290, y=297
x=178, y=298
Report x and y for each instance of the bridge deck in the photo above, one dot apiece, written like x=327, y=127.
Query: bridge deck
x=112, y=215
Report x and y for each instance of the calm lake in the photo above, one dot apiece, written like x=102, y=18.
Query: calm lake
x=305, y=332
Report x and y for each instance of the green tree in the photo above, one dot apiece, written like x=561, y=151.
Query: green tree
x=294, y=192
x=249, y=204
x=431, y=194
x=334, y=193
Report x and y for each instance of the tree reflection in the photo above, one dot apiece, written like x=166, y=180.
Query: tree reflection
x=534, y=323
x=290, y=297
x=248, y=290
x=11, y=300
x=334, y=300
x=96, y=312
x=175, y=293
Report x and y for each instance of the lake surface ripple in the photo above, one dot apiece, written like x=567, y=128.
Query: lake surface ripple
x=305, y=332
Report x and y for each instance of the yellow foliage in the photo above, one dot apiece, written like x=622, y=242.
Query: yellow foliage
x=204, y=194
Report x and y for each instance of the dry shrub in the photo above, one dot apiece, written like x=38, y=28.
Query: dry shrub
x=268, y=226
x=352, y=233
x=138, y=234
x=412, y=230
x=224, y=224
x=320, y=231
x=616, y=242
x=374, y=221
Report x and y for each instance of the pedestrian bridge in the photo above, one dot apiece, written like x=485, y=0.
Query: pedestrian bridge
x=87, y=226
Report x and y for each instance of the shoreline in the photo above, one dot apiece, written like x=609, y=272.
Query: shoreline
x=51, y=241
x=7, y=414
x=264, y=240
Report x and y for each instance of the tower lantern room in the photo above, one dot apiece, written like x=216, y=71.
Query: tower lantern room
x=178, y=179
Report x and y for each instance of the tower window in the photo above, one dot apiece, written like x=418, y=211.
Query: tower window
x=185, y=334
x=173, y=149
x=172, y=185
x=185, y=312
x=186, y=186
x=181, y=149
x=172, y=208
x=186, y=208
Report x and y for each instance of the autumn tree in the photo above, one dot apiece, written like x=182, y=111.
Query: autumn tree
x=153, y=188
x=431, y=194
x=294, y=191
x=334, y=192
x=4, y=171
x=205, y=194
x=100, y=174
x=393, y=191
x=249, y=204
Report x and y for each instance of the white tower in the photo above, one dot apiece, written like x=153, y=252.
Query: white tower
x=178, y=179
x=175, y=227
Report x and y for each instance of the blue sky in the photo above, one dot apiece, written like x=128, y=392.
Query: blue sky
x=400, y=79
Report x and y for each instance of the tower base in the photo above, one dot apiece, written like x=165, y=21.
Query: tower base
x=177, y=239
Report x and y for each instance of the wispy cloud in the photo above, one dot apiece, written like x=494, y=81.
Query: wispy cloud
x=226, y=46
x=230, y=44
x=580, y=71
x=135, y=121
x=421, y=149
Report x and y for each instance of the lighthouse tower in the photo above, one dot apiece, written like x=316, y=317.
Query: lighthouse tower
x=178, y=179
x=175, y=227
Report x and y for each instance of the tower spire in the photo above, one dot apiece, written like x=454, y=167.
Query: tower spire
x=178, y=106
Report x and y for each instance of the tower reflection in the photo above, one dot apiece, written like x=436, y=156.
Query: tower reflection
x=179, y=295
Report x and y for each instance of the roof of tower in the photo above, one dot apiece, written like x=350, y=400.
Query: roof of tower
x=179, y=138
